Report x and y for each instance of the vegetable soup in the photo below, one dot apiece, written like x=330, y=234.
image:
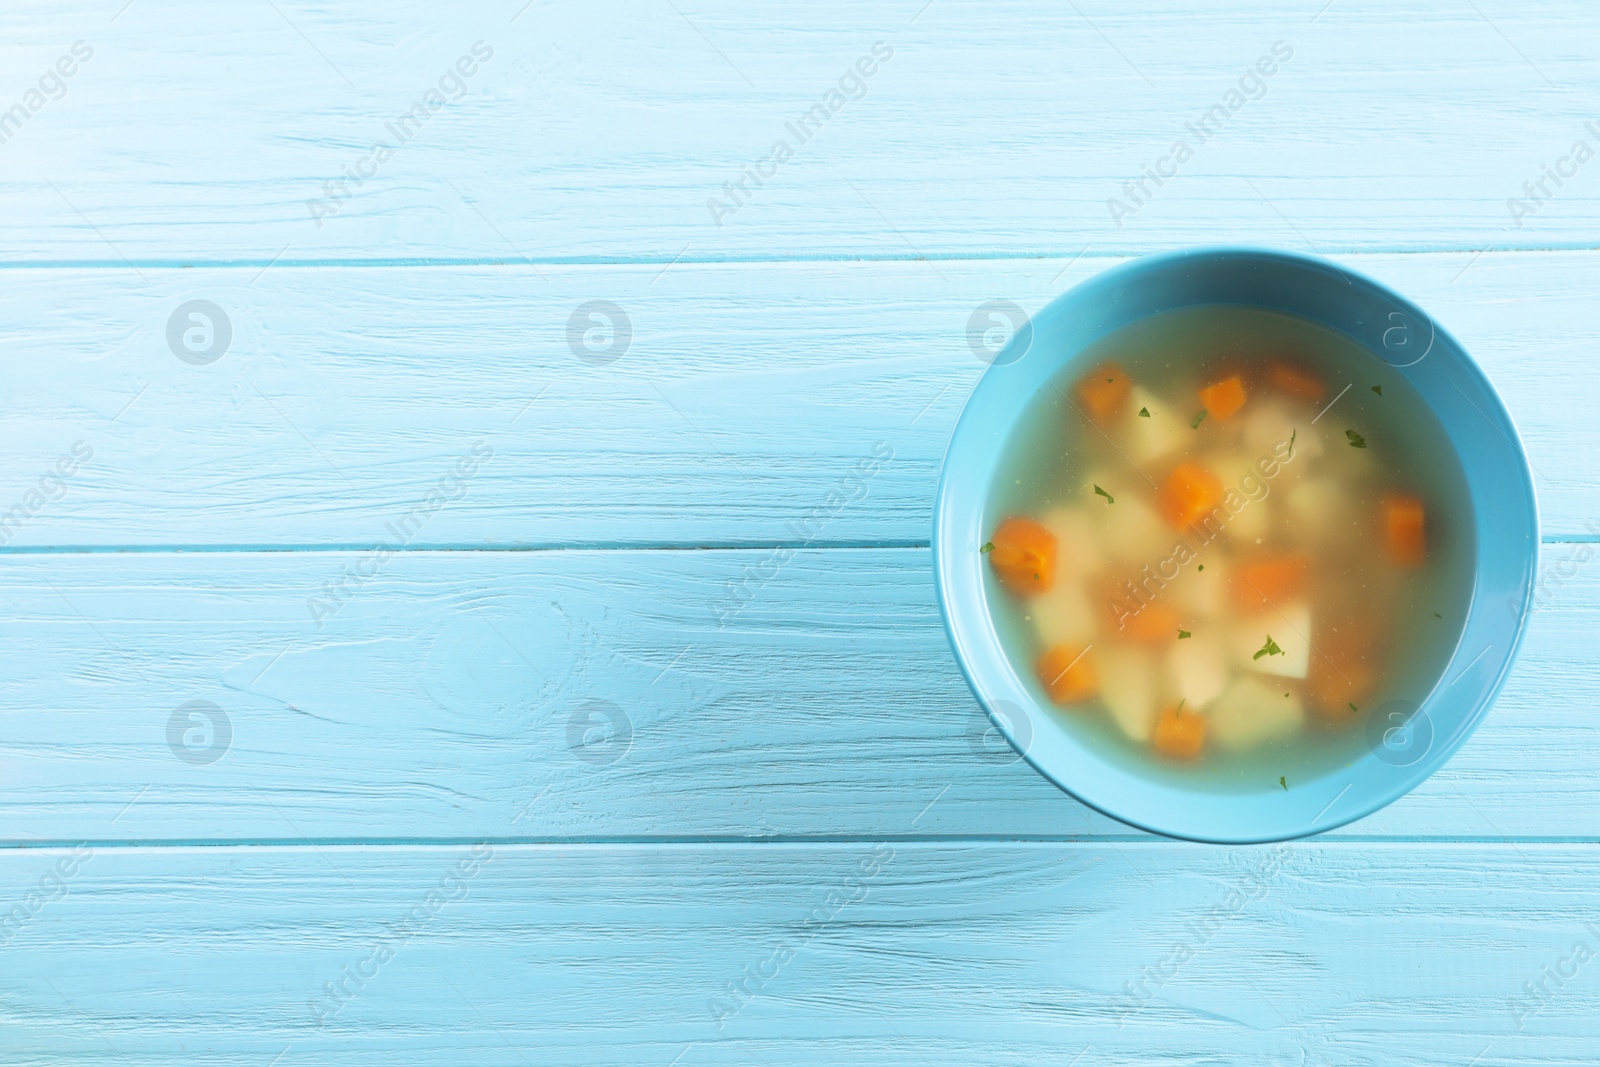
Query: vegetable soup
x=1222, y=540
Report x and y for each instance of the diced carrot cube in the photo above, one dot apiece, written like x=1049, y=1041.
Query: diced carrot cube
x=1024, y=556
x=1340, y=678
x=1178, y=734
x=1296, y=382
x=1190, y=493
x=1268, y=582
x=1068, y=674
x=1104, y=390
x=1224, y=399
x=1403, y=529
x=1157, y=621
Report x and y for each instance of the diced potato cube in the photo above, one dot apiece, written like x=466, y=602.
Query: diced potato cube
x=1229, y=467
x=1290, y=630
x=1252, y=711
x=1270, y=425
x=1077, y=550
x=1132, y=532
x=1128, y=687
x=1321, y=509
x=1250, y=522
x=1203, y=593
x=1063, y=616
x=1198, y=667
x=1147, y=438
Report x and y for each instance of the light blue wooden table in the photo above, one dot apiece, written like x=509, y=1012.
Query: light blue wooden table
x=460, y=639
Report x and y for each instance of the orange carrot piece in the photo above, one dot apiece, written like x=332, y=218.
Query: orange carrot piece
x=1340, y=677
x=1296, y=382
x=1024, y=556
x=1068, y=674
x=1191, y=491
x=1403, y=529
x=1179, y=735
x=1156, y=621
x=1270, y=581
x=1224, y=399
x=1104, y=390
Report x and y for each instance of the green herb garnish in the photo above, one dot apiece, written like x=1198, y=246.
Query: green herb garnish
x=1198, y=419
x=1356, y=440
x=1354, y=708
x=1283, y=783
x=1200, y=568
x=1144, y=413
x=1183, y=634
x=1101, y=492
x=1269, y=649
x=1378, y=389
x=1437, y=615
x=988, y=546
x=1292, y=435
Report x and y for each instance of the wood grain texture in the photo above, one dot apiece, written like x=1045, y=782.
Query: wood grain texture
x=450, y=698
x=744, y=397
x=731, y=810
x=1148, y=954
x=198, y=132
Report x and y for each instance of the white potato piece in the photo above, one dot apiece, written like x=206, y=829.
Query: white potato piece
x=1146, y=440
x=1251, y=711
x=1128, y=687
x=1132, y=532
x=1229, y=466
x=1250, y=522
x=1077, y=551
x=1202, y=593
x=1320, y=508
x=1198, y=667
x=1273, y=423
x=1289, y=627
x=1063, y=615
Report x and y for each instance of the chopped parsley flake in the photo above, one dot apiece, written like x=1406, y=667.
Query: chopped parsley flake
x=1283, y=783
x=1101, y=492
x=1378, y=389
x=1144, y=413
x=988, y=546
x=1184, y=633
x=1198, y=419
x=1200, y=568
x=1269, y=649
x=1356, y=440
x=1292, y=435
x=1354, y=708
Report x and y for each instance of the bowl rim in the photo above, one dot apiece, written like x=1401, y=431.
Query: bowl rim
x=1438, y=755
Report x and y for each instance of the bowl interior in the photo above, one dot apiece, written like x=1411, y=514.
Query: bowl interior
x=1403, y=752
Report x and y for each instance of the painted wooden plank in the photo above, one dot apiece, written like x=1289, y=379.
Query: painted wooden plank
x=604, y=695
x=602, y=130
x=864, y=953
x=744, y=398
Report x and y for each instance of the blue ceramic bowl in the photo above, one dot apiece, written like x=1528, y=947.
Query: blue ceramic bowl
x=1404, y=747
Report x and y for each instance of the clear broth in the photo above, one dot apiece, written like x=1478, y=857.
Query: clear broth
x=1325, y=503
